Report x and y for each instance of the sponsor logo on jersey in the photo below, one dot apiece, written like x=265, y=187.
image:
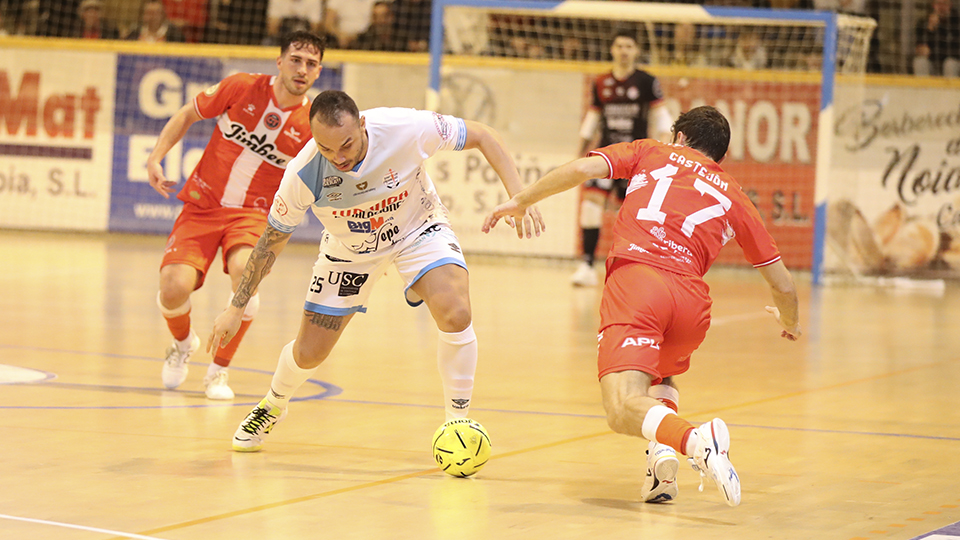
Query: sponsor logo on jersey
x=390, y=204
x=272, y=120
x=365, y=226
x=454, y=247
x=256, y=143
x=638, y=181
x=332, y=181
x=250, y=108
x=280, y=205
x=335, y=196
x=362, y=186
x=335, y=259
x=640, y=342
x=392, y=179
x=633, y=92
x=659, y=233
x=293, y=134
x=443, y=127
x=212, y=90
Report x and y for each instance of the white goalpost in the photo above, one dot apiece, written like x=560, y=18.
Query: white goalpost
x=772, y=72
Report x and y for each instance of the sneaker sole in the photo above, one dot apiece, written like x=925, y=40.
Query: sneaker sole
x=237, y=448
x=665, y=472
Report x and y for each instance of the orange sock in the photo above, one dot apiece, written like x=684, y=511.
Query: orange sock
x=225, y=354
x=674, y=431
x=179, y=326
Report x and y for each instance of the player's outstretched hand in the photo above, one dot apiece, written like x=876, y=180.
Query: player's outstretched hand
x=225, y=327
x=788, y=332
x=158, y=181
x=513, y=215
x=531, y=224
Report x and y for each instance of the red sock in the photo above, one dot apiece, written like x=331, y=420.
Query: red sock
x=179, y=326
x=673, y=432
x=225, y=354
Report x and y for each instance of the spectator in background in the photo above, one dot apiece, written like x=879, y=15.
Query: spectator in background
x=237, y=22
x=285, y=16
x=381, y=35
x=750, y=52
x=413, y=23
x=938, y=42
x=188, y=16
x=92, y=25
x=685, y=49
x=347, y=19
x=154, y=26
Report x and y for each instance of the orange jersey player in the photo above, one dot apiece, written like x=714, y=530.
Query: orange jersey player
x=262, y=123
x=680, y=208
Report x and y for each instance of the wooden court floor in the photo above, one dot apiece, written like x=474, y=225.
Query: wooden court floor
x=851, y=433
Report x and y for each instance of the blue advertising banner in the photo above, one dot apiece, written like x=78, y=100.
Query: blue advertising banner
x=149, y=90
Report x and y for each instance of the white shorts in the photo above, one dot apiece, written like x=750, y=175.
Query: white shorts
x=342, y=279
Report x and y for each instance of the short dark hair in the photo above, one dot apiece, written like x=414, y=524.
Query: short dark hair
x=625, y=33
x=303, y=38
x=330, y=105
x=705, y=130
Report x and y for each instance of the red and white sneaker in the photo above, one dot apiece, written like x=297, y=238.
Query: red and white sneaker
x=712, y=459
x=660, y=485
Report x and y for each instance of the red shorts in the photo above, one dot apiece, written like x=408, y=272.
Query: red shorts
x=198, y=233
x=651, y=320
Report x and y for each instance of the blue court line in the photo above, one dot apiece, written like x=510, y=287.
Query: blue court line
x=329, y=390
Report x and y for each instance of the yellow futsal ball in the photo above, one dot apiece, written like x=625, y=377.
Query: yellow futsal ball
x=461, y=447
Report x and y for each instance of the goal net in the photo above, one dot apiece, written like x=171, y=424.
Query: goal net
x=526, y=68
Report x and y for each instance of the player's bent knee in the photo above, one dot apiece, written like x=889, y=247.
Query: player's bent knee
x=455, y=319
x=591, y=214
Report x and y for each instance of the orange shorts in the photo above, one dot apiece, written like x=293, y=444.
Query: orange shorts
x=651, y=320
x=198, y=233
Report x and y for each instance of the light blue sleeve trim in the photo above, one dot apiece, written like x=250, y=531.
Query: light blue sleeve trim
x=279, y=226
x=462, y=140
x=429, y=267
x=327, y=310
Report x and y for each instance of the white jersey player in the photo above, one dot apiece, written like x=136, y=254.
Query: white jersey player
x=364, y=179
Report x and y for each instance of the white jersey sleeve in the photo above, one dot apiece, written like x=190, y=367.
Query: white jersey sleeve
x=440, y=132
x=298, y=191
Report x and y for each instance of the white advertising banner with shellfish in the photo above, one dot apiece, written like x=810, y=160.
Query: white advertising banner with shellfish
x=895, y=182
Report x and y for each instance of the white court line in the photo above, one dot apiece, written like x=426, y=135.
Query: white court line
x=79, y=527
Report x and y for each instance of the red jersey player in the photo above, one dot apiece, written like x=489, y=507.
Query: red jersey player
x=262, y=123
x=680, y=209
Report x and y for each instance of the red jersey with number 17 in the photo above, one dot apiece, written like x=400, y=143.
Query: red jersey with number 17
x=681, y=208
x=250, y=147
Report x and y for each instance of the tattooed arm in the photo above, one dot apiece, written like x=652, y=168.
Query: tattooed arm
x=261, y=260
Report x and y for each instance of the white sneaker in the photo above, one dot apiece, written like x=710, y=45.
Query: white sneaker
x=712, y=458
x=660, y=485
x=585, y=276
x=217, y=387
x=255, y=427
x=175, y=366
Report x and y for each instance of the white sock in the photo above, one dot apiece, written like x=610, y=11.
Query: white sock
x=185, y=344
x=652, y=421
x=288, y=377
x=457, y=362
x=213, y=369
